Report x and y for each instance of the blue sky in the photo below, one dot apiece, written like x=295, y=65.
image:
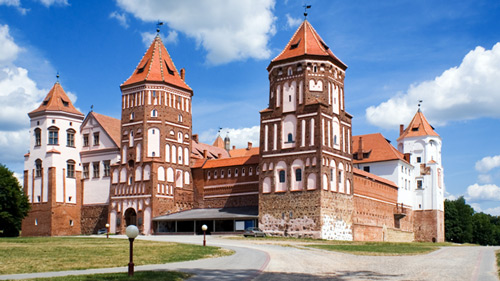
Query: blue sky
x=443, y=52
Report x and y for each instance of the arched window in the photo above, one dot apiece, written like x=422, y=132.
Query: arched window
x=290, y=138
x=70, y=171
x=315, y=69
x=38, y=137
x=38, y=168
x=290, y=71
x=53, y=136
x=154, y=113
x=282, y=175
x=298, y=175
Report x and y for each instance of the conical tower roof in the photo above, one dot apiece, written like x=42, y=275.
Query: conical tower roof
x=218, y=142
x=307, y=42
x=419, y=126
x=56, y=100
x=156, y=66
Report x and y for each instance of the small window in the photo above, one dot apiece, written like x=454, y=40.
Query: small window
x=107, y=168
x=222, y=173
x=154, y=94
x=95, y=169
x=38, y=198
x=215, y=174
x=290, y=138
x=236, y=172
x=71, y=222
x=70, y=138
x=298, y=175
x=86, y=140
x=86, y=170
x=130, y=180
x=96, y=138
x=315, y=69
x=250, y=171
x=38, y=168
x=69, y=198
x=53, y=136
x=132, y=116
x=208, y=175
x=290, y=71
x=282, y=176
x=154, y=113
x=38, y=137
x=419, y=184
x=36, y=221
x=340, y=176
x=366, y=169
x=180, y=118
x=70, y=171
x=419, y=159
x=243, y=171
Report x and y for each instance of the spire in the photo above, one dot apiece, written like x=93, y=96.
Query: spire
x=56, y=100
x=157, y=66
x=307, y=42
x=419, y=126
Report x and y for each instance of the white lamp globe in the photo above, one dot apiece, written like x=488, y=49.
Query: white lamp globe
x=204, y=227
x=132, y=231
x=107, y=225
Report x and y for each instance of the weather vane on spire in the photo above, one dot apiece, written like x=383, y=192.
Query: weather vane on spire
x=160, y=23
x=57, y=77
x=419, y=103
x=218, y=132
x=305, y=10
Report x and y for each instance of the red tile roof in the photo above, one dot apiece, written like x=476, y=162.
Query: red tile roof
x=373, y=177
x=244, y=152
x=376, y=148
x=236, y=161
x=110, y=125
x=306, y=41
x=218, y=142
x=418, y=127
x=56, y=100
x=157, y=66
x=197, y=149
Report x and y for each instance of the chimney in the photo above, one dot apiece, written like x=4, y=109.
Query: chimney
x=401, y=129
x=183, y=74
x=204, y=153
x=360, y=149
x=249, y=146
x=407, y=157
x=234, y=147
x=195, y=138
x=219, y=155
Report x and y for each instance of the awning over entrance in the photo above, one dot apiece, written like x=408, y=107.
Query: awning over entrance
x=218, y=220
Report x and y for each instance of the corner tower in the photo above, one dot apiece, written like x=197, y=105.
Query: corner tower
x=154, y=176
x=424, y=146
x=305, y=134
x=52, y=168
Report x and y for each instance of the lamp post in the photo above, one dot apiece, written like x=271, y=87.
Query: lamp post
x=132, y=231
x=204, y=228
x=107, y=230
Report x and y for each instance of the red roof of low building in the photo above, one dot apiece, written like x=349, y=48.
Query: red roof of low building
x=233, y=161
x=244, y=152
x=197, y=149
x=419, y=126
x=375, y=148
x=157, y=66
x=56, y=100
x=373, y=177
x=306, y=41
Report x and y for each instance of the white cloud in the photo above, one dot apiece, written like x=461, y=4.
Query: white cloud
x=48, y=3
x=14, y=3
x=227, y=30
x=9, y=49
x=488, y=163
x=476, y=207
x=292, y=22
x=487, y=192
x=172, y=37
x=484, y=178
x=493, y=211
x=467, y=91
x=147, y=37
x=449, y=196
x=239, y=137
x=121, y=18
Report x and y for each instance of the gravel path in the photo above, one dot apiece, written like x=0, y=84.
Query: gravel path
x=270, y=260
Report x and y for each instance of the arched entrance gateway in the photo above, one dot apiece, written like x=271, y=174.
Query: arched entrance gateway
x=130, y=217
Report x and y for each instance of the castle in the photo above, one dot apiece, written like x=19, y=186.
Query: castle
x=309, y=177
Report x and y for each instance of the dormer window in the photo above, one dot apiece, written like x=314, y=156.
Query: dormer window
x=296, y=45
x=170, y=71
x=140, y=70
x=45, y=102
x=65, y=103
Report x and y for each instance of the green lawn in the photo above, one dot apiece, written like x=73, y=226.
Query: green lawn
x=25, y=255
x=139, y=275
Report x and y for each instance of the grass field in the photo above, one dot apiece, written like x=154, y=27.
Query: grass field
x=23, y=255
x=138, y=276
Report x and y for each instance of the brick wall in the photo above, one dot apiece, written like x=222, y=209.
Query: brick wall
x=429, y=225
x=94, y=217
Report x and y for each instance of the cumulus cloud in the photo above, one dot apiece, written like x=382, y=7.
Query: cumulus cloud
x=292, y=22
x=239, y=137
x=467, y=91
x=121, y=18
x=172, y=37
x=9, y=49
x=14, y=3
x=48, y=3
x=487, y=192
x=227, y=30
x=147, y=37
x=484, y=178
x=488, y=163
x=493, y=211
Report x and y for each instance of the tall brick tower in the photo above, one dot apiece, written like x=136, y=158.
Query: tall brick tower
x=305, y=185
x=424, y=146
x=153, y=176
x=52, y=175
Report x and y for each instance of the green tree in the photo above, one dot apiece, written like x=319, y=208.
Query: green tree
x=14, y=205
x=458, y=221
x=483, y=230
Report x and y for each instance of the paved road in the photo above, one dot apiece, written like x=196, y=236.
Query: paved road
x=265, y=260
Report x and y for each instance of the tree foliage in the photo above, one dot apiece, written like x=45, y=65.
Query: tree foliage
x=463, y=225
x=14, y=205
